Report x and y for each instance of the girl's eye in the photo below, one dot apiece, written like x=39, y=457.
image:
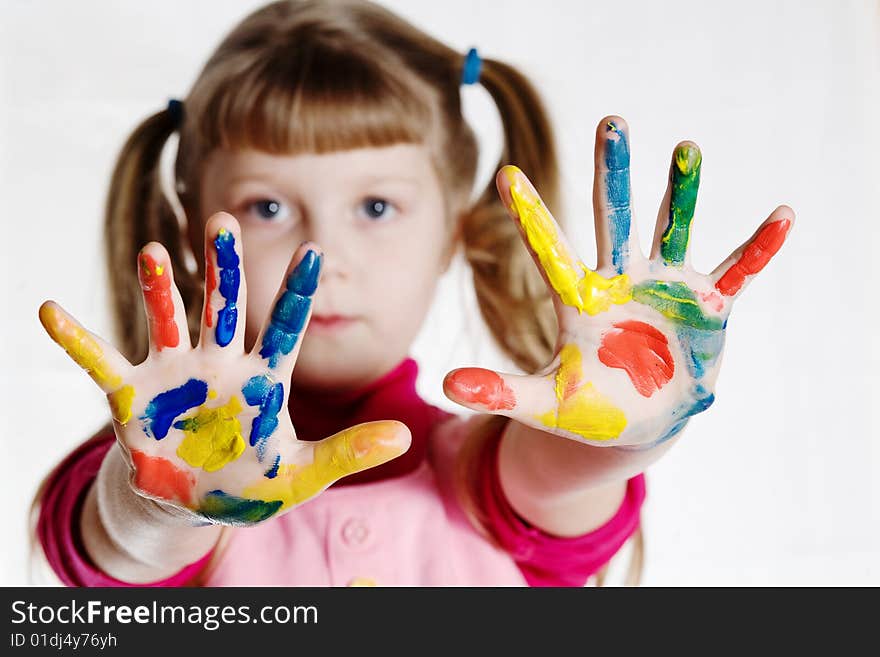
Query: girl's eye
x=269, y=210
x=377, y=209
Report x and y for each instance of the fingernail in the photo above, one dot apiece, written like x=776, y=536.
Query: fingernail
x=304, y=277
x=484, y=387
x=511, y=173
x=616, y=147
x=376, y=443
x=224, y=243
x=150, y=267
x=688, y=159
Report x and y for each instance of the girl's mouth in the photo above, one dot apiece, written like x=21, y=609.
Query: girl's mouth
x=329, y=323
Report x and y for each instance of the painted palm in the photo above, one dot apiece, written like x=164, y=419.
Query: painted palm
x=640, y=339
x=206, y=429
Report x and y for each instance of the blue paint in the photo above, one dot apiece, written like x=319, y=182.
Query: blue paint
x=230, y=279
x=262, y=391
x=304, y=277
x=164, y=407
x=222, y=507
x=702, y=348
x=273, y=471
x=290, y=312
x=617, y=187
x=703, y=399
x=671, y=432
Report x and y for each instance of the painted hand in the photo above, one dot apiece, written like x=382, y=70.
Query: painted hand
x=640, y=340
x=207, y=429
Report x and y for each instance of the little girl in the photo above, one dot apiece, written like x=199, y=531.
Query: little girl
x=325, y=172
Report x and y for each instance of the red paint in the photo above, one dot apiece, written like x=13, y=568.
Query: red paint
x=642, y=352
x=210, y=286
x=474, y=385
x=714, y=300
x=160, y=303
x=160, y=477
x=754, y=257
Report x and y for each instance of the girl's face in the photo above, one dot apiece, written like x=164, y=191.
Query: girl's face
x=379, y=216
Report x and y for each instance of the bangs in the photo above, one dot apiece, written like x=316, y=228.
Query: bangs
x=314, y=98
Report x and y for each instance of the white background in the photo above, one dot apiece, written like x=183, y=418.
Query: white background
x=776, y=484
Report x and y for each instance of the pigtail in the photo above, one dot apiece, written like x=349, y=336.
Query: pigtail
x=137, y=212
x=512, y=296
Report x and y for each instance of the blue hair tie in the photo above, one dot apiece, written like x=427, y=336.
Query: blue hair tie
x=470, y=74
x=175, y=111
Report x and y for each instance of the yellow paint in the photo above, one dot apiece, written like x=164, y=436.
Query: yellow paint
x=212, y=394
x=145, y=265
x=598, y=292
x=562, y=270
x=80, y=345
x=576, y=284
x=159, y=270
x=213, y=436
x=362, y=581
x=120, y=403
x=353, y=450
x=581, y=409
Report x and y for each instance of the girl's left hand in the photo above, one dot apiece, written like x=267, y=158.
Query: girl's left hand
x=640, y=340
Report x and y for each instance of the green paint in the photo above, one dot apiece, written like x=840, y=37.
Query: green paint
x=675, y=301
x=219, y=506
x=685, y=182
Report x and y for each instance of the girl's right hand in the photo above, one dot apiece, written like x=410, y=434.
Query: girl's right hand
x=207, y=429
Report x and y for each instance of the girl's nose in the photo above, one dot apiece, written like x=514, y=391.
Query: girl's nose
x=333, y=259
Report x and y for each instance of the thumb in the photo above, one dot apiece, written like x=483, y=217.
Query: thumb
x=360, y=447
x=321, y=463
x=560, y=402
x=516, y=396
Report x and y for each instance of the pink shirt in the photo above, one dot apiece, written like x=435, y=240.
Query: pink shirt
x=402, y=527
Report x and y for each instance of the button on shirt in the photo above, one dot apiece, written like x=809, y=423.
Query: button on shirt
x=356, y=533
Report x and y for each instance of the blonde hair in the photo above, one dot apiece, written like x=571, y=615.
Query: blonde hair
x=304, y=76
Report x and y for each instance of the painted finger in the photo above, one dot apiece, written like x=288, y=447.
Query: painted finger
x=279, y=341
x=166, y=316
x=562, y=403
x=480, y=389
x=355, y=449
x=573, y=283
x=673, y=231
x=731, y=276
x=615, y=238
x=486, y=391
x=101, y=361
x=224, y=310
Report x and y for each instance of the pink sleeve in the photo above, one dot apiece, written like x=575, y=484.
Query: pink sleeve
x=58, y=523
x=544, y=559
